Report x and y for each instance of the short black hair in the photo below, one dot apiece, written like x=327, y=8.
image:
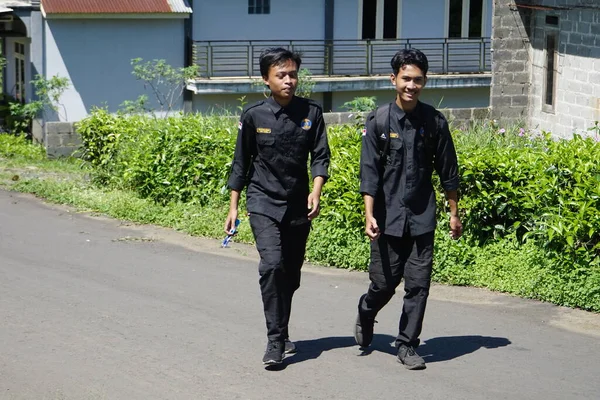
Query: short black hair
x=410, y=57
x=276, y=56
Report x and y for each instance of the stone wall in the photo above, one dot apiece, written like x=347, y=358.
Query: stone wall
x=577, y=90
x=511, y=68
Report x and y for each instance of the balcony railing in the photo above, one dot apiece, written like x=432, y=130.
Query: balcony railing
x=343, y=57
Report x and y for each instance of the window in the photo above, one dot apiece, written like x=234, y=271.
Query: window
x=20, y=71
x=475, y=18
x=455, y=19
x=369, y=19
x=550, y=73
x=259, y=6
x=390, y=19
x=465, y=18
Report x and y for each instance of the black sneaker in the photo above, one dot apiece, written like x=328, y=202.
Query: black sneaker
x=363, y=329
x=409, y=357
x=289, y=347
x=274, y=353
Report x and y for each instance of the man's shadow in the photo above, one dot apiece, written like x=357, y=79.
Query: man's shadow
x=312, y=349
x=441, y=348
x=433, y=350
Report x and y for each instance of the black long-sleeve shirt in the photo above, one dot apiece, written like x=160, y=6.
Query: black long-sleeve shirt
x=400, y=181
x=271, y=156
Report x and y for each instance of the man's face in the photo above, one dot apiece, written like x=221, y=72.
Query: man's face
x=282, y=80
x=409, y=82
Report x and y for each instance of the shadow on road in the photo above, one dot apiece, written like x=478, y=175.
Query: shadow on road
x=446, y=348
x=433, y=350
x=311, y=349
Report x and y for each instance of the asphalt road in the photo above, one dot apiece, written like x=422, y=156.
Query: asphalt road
x=93, y=308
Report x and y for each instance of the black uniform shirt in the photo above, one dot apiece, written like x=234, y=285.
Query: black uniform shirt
x=401, y=183
x=271, y=156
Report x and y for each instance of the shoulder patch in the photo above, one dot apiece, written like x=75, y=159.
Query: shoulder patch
x=306, y=124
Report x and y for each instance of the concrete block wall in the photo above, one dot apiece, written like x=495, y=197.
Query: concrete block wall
x=511, y=67
x=61, y=139
x=577, y=101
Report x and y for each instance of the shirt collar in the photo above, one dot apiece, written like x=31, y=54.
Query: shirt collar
x=277, y=108
x=400, y=113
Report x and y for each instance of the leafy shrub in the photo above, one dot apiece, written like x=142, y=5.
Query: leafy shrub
x=179, y=158
x=361, y=104
x=12, y=146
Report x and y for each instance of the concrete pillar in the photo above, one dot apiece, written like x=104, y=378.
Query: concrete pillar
x=511, y=63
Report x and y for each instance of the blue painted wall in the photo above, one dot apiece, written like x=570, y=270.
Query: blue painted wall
x=229, y=20
x=423, y=19
x=95, y=54
x=345, y=20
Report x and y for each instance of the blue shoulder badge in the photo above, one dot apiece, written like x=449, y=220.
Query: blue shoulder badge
x=306, y=124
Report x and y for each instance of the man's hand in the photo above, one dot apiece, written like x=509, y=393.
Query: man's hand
x=230, y=221
x=371, y=228
x=313, y=205
x=456, y=227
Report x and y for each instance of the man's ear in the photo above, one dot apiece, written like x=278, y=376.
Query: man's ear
x=393, y=79
x=425, y=81
x=266, y=80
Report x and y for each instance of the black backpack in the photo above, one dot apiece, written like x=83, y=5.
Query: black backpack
x=430, y=126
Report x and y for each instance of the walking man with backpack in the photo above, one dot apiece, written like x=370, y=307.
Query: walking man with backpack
x=402, y=143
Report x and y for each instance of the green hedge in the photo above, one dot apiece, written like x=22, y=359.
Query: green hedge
x=530, y=205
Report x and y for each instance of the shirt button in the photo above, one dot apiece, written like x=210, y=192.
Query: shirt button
x=410, y=167
x=409, y=147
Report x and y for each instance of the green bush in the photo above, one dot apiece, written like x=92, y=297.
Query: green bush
x=530, y=205
x=12, y=146
x=175, y=159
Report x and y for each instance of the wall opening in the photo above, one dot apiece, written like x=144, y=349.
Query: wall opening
x=369, y=19
x=390, y=19
x=551, y=46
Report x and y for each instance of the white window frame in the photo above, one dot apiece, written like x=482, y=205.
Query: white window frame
x=550, y=108
x=20, y=73
x=379, y=21
x=262, y=7
x=464, y=29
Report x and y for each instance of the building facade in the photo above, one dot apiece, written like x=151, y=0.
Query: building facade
x=90, y=43
x=347, y=45
x=546, y=64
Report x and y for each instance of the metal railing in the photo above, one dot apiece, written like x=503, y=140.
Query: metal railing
x=223, y=58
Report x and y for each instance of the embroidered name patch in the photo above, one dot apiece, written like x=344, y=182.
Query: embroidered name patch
x=306, y=124
x=394, y=135
x=263, y=130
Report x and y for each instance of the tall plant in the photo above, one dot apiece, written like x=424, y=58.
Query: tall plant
x=166, y=82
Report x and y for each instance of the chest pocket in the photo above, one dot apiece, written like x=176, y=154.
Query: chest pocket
x=301, y=139
x=265, y=140
x=396, y=156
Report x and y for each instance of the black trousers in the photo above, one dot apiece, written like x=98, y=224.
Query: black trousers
x=394, y=258
x=281, y=247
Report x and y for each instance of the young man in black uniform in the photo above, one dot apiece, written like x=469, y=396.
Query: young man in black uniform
x=275, y=139
x=402, y=144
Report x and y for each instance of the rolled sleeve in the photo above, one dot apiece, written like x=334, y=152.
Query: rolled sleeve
x=446, y=163
x=320, y=153
x=244, y=149
x=370, y=159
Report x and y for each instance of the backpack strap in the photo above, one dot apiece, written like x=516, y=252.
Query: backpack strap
x=382, y=122
x=430, y=126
